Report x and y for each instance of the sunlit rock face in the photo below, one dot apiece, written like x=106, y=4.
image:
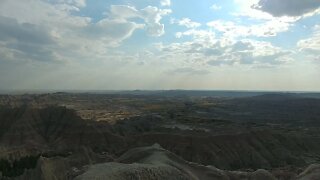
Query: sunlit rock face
x=157, y=163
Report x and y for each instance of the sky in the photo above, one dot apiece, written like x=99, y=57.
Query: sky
x=160, y=45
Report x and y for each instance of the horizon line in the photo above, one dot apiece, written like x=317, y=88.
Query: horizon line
x=26, y=91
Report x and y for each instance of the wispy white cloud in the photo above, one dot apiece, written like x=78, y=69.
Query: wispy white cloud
x=151, y=15
x=186, y=22
x=165, y=2
x=266, y=29
x=207, y=49
x=311, y=44
x=215, y=7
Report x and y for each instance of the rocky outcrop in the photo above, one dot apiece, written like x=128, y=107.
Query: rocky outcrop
x=156, y=163
x=54, y=129
x=149, y=163
x=252, y=150
x=117, y=171
x=311, y=173
x=55, y=134
x=65, y=144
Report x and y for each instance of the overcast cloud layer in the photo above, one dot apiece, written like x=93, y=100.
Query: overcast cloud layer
x=161, y=44
x=288, y=7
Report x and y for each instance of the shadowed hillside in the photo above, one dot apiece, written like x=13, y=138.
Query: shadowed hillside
x=39, y=140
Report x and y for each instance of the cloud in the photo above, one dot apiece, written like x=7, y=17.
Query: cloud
x=123, y=12
x=25, y=40
x=215, y=7
x=42, y=14
x=111, y=31
x=151, y=16
x=202, y=36
x=252, y=52
x=67, y=5
x=188, y=23
x=207, y=49
x=266, y=29
x=189, y=71
x=11, y=30
x=251, y=9
x=78, y=3
x=72, y=3
x=280, y=8
x=165, y=2
x=50, y=31
x=311, y=44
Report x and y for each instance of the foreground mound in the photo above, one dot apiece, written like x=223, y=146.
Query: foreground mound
x=156, y=163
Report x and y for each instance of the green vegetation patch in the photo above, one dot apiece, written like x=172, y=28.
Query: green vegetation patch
x=17, y=167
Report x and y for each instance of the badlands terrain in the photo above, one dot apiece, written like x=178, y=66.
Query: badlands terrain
x=154, y=135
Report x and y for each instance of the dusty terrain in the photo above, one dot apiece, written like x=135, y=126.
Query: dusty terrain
x=160, y=135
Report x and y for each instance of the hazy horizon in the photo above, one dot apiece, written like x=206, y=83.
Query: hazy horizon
x=101, y=91
x=254, y=45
